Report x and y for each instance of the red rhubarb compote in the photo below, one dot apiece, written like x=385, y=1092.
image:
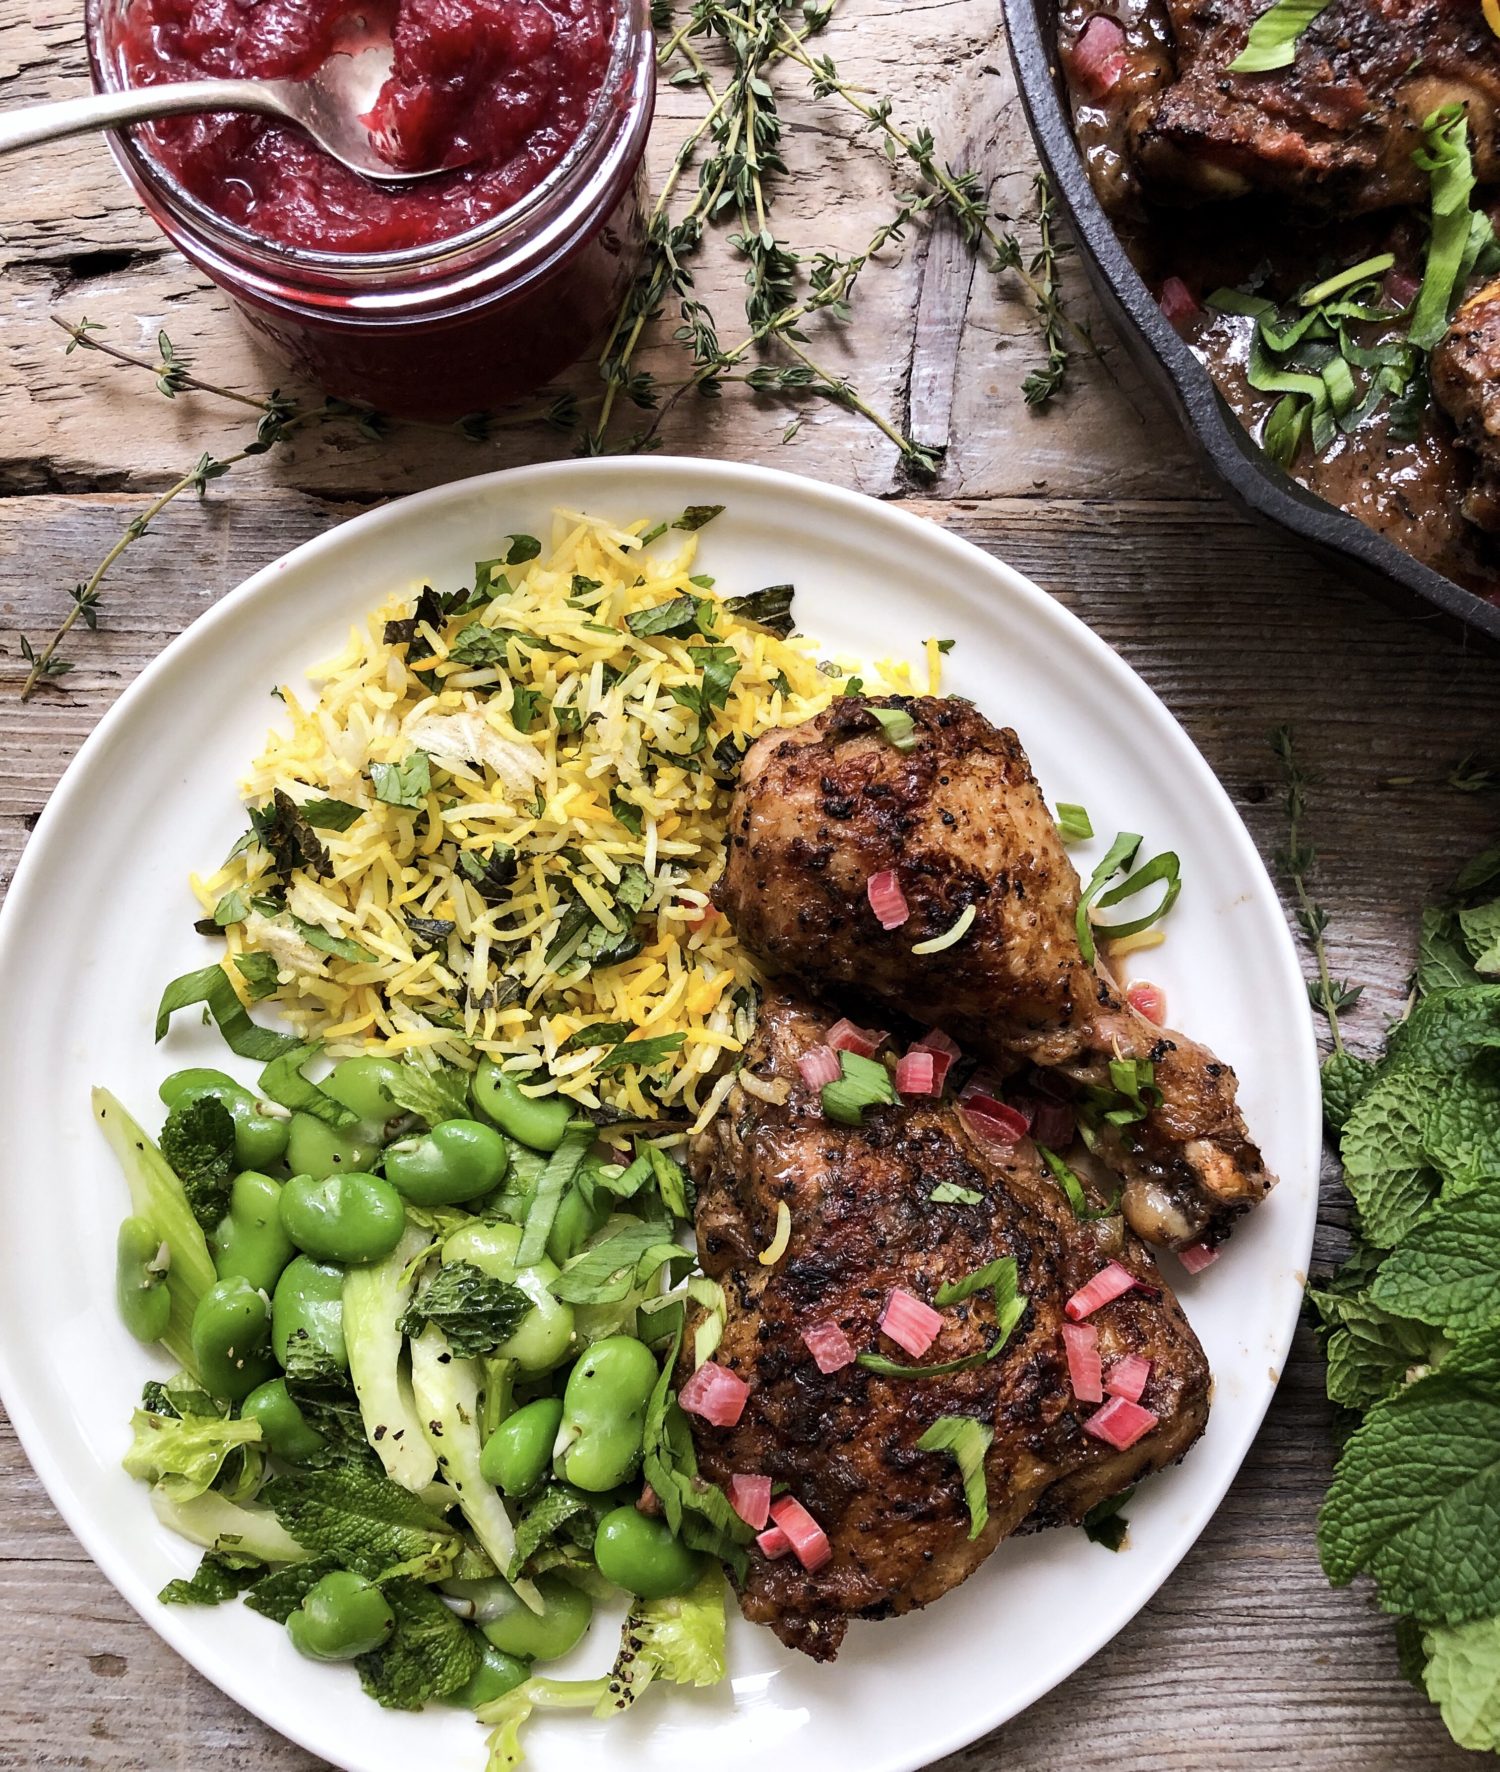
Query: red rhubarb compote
x=503, y=87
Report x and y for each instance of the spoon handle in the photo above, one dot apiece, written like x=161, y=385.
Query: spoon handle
x=31, y=124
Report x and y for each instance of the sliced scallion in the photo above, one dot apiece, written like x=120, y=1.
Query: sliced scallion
x=968, y=1440
x=950, y=937
x=1272, y=42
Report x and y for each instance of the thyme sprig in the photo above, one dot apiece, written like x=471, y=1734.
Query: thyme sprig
x=278, y=419
x=1298, y=861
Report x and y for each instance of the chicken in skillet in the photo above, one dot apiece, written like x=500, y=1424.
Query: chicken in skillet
x=958, y=816
x=1337, y=127
x=864, y=1221
x=1465, y=370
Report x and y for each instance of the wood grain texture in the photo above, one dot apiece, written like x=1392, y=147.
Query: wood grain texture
x=1246, y=1659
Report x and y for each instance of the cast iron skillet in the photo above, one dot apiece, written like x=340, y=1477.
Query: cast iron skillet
x=1168, y=364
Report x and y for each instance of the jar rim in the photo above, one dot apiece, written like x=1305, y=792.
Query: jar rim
x=588, y=149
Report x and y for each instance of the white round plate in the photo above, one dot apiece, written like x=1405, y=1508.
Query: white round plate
x=100, y=917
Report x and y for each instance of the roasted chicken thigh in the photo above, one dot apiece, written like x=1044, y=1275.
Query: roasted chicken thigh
x=1338, y=126
x=822, y=807
x=910, y=1199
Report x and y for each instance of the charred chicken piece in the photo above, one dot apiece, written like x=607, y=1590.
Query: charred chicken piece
x=1465, y=370
x=1335, y=129
x=863, y=1220
x=822, y=807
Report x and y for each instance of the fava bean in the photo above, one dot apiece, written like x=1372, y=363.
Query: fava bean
x=458, y=1160
x=363, y=1085
x=283, y=1426
x=307, y=1318
x=643, y=1556
x=579, y=1214
x=141, y=1262
x=318, y=1149
x=511, y=1625
x=248, y=1240
x=497, y=1674
x=229, y=1339
x=342, y=1616
x=539, y=1121
x=604, y=1413
x=260, y=1137
x=544, y=1338
x=519, y=1452
x=343, y=1217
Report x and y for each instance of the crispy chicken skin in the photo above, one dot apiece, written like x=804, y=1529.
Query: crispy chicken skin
x=823, y=806
x=1465, y=370
x=863, y=1221
x=1336, y=128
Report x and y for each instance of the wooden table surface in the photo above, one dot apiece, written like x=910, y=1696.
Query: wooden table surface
x=1246, y=1658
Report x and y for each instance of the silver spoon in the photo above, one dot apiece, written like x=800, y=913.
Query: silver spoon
x=330, y=105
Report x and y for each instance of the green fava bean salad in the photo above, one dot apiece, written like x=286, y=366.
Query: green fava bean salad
x=424, y=1358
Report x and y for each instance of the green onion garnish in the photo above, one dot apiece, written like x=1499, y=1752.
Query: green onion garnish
x=1273, y=37
x=1459, y=235
x=1121, y=857
x=950, y=937
x=968, y=1440
x=864, y=1082
x=1073, y=822
x=898, y=726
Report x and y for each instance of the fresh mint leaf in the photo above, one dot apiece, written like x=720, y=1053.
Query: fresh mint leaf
x=1462, y=1678
x=645, y=1053
x=493, y=872
x=283, y=831
x=695, y=516
x=218, y=1578
x=1482, y=871
x=1480, y=927
x=198, y=1142
x=259, y=972
x=365, y=1521
x=1442, y=960
x=1371, y=1352
x=1385, y=1154
x=543, y=1518
x=330, y=815
x=1415, y=1502
x=432, y=1095
x=429, y=1655
x=279, y=1594
x=1346, y=1079
x=1105, y=1523
x=522, y=548
x=626, y=811
x=427, y=611
x=475, y=1311
x=597, y=1033
x=672, y=620
x=341, y=946
x=1462, y=1128
x=770, y=608
x=406, y=783
x=1447, y=1270
x=1447, y=1029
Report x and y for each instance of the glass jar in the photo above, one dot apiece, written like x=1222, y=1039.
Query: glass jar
x=463, y=324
